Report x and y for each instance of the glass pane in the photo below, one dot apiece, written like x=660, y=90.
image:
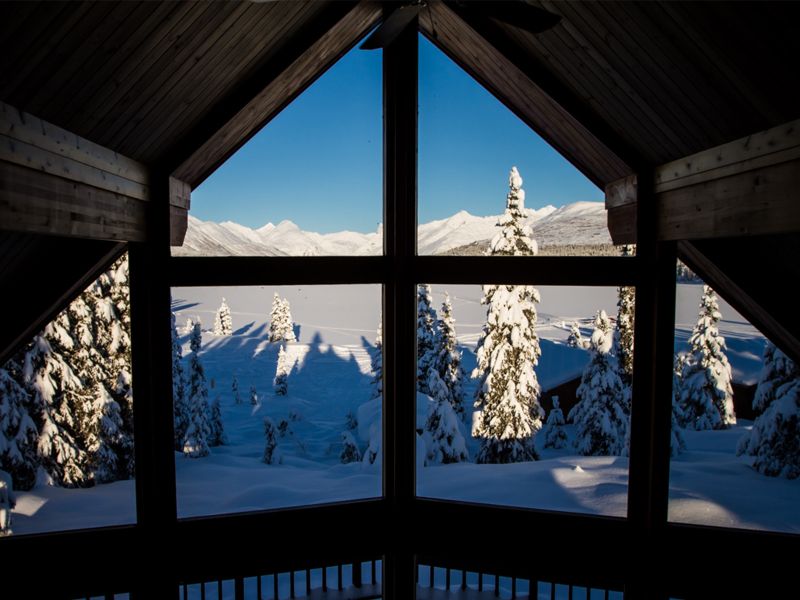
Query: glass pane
x=468, y=143
x=493, y=430
x=276, y=400
x=736, y=400
x=309, y=183
x=66, y=417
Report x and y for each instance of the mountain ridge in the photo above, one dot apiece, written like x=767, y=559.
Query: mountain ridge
x=579, y=223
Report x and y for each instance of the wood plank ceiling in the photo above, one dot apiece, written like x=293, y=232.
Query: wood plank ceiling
x=138, y=77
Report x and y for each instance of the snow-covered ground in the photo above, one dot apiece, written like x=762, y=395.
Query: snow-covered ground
x=331, y=377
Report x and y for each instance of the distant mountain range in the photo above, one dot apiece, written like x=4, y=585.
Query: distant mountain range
x=580, y=223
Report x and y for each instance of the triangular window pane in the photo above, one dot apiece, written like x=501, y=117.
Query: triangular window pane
x=468, y=142
x=309, y=183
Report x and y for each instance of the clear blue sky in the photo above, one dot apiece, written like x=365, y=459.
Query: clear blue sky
x=319, y=162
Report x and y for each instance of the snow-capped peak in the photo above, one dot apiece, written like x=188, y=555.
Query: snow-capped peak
x=576, y=223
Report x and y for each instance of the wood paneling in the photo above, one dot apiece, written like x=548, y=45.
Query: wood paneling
x=745, y=187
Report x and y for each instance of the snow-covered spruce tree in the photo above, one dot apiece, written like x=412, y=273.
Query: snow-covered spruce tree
x=7, y=502
x=58, y=399
x=105, y=436
x=180, y=400
x=281, y=327
x=553, y=430
x=222, y=320
x=778, y=375
x=575, y=338
x=350, y=452
x=217, y=435
x=677, y=442
x=602, y=414
x=113, y=339
x=253, y=396
x=625, y=318
x=778, y=369
x=377, y=364
x=281, y=373
x=706, y=396
x=237, y=398
x=775, y=437
x=198, y=431
x=426, y=335
x=507, y=394
x=447, y=358
x=18, y=433
x=447, y=444
x=272, y=454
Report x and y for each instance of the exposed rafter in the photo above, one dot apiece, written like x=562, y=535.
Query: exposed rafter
x=242, y=112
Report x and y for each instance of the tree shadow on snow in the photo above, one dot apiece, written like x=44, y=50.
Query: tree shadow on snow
x=244, y=329
x=181, y=304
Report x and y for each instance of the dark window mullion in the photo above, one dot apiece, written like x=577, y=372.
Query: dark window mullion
x=152, y=383
x=400, y=218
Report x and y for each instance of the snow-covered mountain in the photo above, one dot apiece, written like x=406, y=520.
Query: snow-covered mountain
x=576, y=223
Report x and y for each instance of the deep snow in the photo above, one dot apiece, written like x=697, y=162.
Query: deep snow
x=336, y=329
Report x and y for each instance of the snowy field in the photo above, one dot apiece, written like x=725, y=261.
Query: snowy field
x=331, y=376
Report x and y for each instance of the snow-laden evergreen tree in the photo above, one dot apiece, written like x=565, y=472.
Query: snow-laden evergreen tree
x=426, y=335
x=575, y=338
x=217, y=436
x=253, y=396
x=180, y=399
x=198, y=432
x=111, y=305
x=222, y=320
x=281, y=373
x=706, y=396
x=7, y=503
x=18, y=433
x=377, y=364
x=507, y=394
x=281, y=326
x=447, y=357
x=105, y=437
x=775, y=439
x=272, y=454
x=553, y=430
x=446, y=443
x=58, y=397
x=677, y=443
x=625, y=317
x=602, y=414
x=237, y=398
x=778, y=377
x=778, y=369
x=350, y=452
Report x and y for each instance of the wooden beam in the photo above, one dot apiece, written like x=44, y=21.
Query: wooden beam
x=37, y=202
x=738, y=297
x=254, y=102
x=55, y=182
x=30, y=141
x=71, y=265
x=750, y=186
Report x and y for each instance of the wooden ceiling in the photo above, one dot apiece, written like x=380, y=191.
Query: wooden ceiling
x=614, y=87
x=145, y=78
